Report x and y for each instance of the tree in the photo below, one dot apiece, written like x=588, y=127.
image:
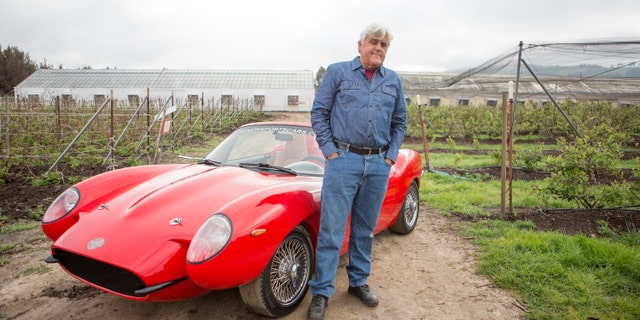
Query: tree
x=319, y=76
x=15, y=66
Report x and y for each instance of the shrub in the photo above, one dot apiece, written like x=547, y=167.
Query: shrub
x=587, y=173
x=530, y=158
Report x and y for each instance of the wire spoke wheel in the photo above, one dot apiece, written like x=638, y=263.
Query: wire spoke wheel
x=284, y=282
x=410, y=208
x=289, y=271
x=408, y=215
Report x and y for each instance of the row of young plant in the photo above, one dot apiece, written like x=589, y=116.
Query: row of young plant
x=585, y=169
x=484, y=122
x=35, y=136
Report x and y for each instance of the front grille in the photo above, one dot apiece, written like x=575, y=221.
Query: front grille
x=100, y=273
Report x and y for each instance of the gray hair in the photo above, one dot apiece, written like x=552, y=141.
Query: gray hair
x=377, y=30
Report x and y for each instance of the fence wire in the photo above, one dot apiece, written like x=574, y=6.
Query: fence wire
x=36, y=134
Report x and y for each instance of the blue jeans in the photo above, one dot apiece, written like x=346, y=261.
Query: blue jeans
x=355, y=183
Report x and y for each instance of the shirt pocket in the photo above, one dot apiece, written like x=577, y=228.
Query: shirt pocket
x=388, y=101
x=390, y=92
x=350, y=93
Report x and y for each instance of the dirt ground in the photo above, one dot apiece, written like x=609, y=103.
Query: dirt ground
x=428, y=274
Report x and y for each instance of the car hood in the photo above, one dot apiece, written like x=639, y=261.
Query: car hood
x=148, y=225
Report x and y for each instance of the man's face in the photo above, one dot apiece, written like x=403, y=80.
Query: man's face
x=373, y=51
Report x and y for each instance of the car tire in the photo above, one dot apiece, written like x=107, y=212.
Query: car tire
x=408, y=215
x=283, y=284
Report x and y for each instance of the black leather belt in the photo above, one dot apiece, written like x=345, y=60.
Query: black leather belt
x=360, y=150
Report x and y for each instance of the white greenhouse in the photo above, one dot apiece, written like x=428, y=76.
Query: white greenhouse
x=267, y=90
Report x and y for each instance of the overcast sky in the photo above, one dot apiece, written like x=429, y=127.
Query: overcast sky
x=296, y=34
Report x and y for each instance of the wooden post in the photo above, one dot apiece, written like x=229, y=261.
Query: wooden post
x=171, y=135
x=113, y=123
x=58, y=122
x=511, y=126
x=202, y=122
x=424, y=136
x=6, y=128
x=157, y=156
x=503, y=171
x=112, y=136
x=148, y=120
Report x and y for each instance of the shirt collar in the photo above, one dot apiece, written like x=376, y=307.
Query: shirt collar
x=355, y=65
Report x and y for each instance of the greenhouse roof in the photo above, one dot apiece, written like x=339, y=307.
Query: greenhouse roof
x=495, y=84
x=170, y=79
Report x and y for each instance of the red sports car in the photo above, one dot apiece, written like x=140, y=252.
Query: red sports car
x=245, y=216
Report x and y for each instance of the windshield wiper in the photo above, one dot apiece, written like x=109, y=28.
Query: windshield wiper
x=267, y=167
x=209, y=162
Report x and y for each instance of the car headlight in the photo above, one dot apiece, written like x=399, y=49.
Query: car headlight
x=63, y=204
x=210, y=239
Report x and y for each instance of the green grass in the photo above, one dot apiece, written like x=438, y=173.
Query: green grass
x=6, y=247
x=630, y=163
x=560, y=276
x=460, y=161
x=20, y=225
x=471, y=196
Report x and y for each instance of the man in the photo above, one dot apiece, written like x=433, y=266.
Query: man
x=359, y=117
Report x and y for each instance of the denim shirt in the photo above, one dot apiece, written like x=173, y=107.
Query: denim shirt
x=353, y=110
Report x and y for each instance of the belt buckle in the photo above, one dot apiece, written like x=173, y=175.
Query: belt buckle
x=369, y=151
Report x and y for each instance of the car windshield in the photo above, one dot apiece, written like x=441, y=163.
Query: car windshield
x=292, y=147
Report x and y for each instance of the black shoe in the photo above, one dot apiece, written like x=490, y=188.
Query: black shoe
x=316, y=309
x=364, y=293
